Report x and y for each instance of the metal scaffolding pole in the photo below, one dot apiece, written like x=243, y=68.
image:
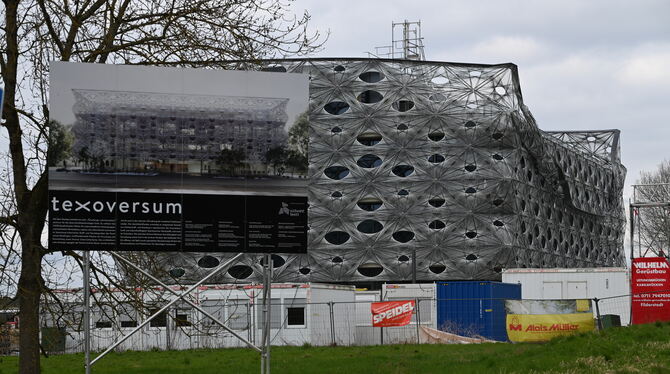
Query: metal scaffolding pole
x=87, y=312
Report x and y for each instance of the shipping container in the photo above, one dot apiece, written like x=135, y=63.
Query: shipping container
x=474, y=308
x=611, y=285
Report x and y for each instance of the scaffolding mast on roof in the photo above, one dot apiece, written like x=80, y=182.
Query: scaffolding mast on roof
x=406, y=43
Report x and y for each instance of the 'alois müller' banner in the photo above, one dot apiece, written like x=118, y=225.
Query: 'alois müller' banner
x=543, y=320
x=392, y=313
x=651, y=290
x=130, y=221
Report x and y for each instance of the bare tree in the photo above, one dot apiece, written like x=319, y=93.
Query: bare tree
x=654, y=222
x=197, y=33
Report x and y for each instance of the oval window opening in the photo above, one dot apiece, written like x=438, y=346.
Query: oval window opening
x=436, y=202
x=277, y=261
x=240, y=271
x=304, y=271
x=369, y=204
x=471, y=234
x=470, y=190
x=470, y=168
x=471, y=257
x=336, y=108
x=403, y=258
x=403, y=193
x=402, y=127
x=369, y=161
x=370, y=270
x=437, y=268
x=403, y=236
x=440, y=80
x=369, y=97
x=336, y=130
x=369, y=138
x=436, y=225
x=339, y=68
x=498, y=202
x=498, y=223
x=403, y=105
x=208, y=262
x=470, y=124
x=336, y=237
x=371, y=76
x=497, y=157
x=336, y=194
x=436, y=159
x=436, y=136
x=177, y=272
x=403, y=170
x=336, y=172
x=337, y=260
x=370, y=226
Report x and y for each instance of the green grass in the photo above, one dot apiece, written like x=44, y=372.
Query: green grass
x=637, y=349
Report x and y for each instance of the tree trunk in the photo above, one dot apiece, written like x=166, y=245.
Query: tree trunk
x=29, y=303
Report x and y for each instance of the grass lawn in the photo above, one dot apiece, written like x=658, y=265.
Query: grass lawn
x=637, y=349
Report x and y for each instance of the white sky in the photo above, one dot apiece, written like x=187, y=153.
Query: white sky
x=598, y=64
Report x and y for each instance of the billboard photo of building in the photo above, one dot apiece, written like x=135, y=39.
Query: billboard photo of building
x=167, y=129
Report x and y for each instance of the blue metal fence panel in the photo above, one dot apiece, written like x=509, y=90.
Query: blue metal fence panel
x=474, y=308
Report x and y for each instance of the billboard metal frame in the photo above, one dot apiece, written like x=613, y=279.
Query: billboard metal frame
x=264, y=349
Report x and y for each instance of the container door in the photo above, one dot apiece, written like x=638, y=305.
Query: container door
x=577, y=290
x=552, y=290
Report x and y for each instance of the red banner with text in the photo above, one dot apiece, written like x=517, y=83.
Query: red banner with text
x=392, y=313
x=650, y=287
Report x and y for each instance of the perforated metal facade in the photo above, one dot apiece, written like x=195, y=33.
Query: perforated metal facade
x=444, y=161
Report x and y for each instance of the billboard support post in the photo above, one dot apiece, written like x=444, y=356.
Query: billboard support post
x=267, y=311
x=87, y=312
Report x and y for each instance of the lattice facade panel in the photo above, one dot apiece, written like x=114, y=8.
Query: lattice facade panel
x=443, y=161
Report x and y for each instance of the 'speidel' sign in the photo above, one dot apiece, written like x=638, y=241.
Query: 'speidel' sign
x=392, y=313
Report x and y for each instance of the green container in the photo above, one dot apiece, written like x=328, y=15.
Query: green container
x=53, y=339
x=610, y=320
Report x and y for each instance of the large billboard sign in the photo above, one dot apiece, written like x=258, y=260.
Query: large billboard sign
x=168, y=159
x=651, y=290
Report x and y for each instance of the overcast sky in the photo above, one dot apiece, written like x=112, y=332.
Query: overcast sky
x=582, y=64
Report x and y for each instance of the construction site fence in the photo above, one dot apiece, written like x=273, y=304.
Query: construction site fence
x=293, y=322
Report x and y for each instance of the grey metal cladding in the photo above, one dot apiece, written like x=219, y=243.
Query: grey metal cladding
x=445, y=160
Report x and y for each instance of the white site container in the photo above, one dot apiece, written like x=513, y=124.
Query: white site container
x=612, y=285
x=365, y=333
x=424, y=294
x=301, y=314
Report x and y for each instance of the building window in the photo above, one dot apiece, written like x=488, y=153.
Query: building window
x=127, y=316
x=181, y=318
x=295, y=312
x=158, y=321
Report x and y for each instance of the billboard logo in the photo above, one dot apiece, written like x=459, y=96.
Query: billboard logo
x=652, y=265
x=286, y=211
x=515, y=325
